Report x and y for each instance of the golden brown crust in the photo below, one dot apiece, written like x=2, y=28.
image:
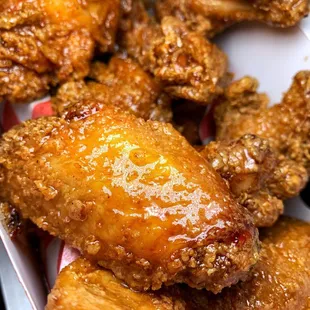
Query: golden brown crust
x=51, y=40
x=281, y=278
x=258, y=178
x=83, y=285
x=210, y=17
x=188, y=65
x=286, y=126
x=121, y=83
x=132, y=195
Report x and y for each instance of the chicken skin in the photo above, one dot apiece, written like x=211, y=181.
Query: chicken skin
x=122, y=83
x=209, y=17
x=256, y=176
x=188, y=65
x=83, y=285
x=280, y=280
x=286, y=126
x=133, y=196
x=45, y=42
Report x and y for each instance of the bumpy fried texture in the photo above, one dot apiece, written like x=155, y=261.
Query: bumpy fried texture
x=210, y=17
x=48, y=41
x=188, y=65
x=186, y=119
x=286, y=125
x=83, y=285
x=281, y=278
x=121, y=83
x=256, y=177
x=131, y=195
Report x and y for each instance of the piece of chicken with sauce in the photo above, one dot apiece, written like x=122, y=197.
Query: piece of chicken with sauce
x=133, y=196
x=187, y=64
x=122, y=83
x=257, y=177
x=280, y=281
x=286, y=126
x=45, y=42
x=210, y=17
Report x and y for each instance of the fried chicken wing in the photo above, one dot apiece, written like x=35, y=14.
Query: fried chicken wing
x=286, y=126
x=280, y=280
x=208, y=17
x=44, y=42
x=83, y=285
x=122, y=83
x=132, y=195
x=256, y=176
x=189, y=66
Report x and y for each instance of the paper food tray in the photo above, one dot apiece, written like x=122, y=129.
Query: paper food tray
x=271, y=55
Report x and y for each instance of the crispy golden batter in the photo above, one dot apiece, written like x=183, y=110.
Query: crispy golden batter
x=209, y=17
x=132, y=195
x=256, y=176
x=286, y=126
x=83, y=285
x=279, y=281
x=188, y=65
x=48, y=41
x=121, y=83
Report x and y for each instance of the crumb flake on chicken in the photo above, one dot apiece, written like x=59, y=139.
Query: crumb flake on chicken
x=44, y=42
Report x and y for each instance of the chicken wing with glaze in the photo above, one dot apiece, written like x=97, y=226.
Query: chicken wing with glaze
x=132, y=195
x=257, y=178
x=280, y=281
x=286, y=126
x=83, y=285
x=122, y=83
x=209, y=17
x=188, y=65
x=44, y=42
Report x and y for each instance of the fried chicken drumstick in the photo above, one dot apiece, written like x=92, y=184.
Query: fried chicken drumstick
x=208, y=17
x=133, y=196
x=44, y=42
x=280, y=280
x=257, y=178
x=122, y=83
x=188, y=65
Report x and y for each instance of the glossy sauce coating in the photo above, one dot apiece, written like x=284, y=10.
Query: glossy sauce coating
x=132, y=195
x=44, y=42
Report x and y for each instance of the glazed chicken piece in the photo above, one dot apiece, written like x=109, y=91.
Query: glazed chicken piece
x=286, y=125
x=83, y=285
x=188, y=65
x=44, y=42
x=209, y=17
x=133, y=196
x=122, y=83
x=280, y=280
x=256, y=177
